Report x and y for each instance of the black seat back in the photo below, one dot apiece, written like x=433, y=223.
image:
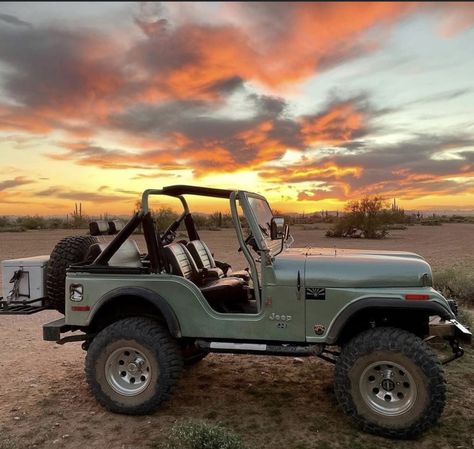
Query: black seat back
x=180, y=261
x=223, y=294
x=201, y=254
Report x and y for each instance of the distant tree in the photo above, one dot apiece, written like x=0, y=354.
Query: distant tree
x=365, y=218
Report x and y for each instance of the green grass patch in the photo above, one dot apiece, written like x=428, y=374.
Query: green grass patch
x=201, y=435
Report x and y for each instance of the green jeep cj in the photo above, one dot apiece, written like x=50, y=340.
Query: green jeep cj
x=143, y=316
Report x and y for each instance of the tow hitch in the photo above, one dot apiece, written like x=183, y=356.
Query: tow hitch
x=457, y=351
x=453, y=332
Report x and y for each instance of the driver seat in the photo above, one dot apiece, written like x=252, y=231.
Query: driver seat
x=224, y=294
x=204, y=259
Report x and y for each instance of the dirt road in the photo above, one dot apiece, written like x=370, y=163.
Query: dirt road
x=271, y=402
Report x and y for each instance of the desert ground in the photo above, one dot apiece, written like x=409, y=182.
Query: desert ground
x=270, y=402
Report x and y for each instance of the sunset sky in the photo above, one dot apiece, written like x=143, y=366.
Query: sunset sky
x=310, y=104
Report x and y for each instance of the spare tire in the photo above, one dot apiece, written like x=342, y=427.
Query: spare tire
x=67, y=251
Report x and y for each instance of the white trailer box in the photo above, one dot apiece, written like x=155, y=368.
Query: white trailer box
x=31, y=283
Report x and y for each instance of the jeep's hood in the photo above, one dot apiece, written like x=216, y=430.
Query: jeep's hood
x=328, y=267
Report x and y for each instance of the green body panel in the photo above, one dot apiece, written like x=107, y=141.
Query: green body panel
x=335, y=268
x=284, y=291
x=286, y=315
x=196, y=318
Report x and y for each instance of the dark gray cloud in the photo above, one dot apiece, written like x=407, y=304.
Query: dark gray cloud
x=270, y=129
x=407, y=169
x=56, y=74
x=66, y=193
x=440, y=96
x=16, y=182
x=12, y=20
x=268, y=106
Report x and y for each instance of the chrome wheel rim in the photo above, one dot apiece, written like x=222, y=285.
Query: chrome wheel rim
x=128, y=371
x=388, y=388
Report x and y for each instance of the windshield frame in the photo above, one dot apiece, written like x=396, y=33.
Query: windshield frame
x=263, y=240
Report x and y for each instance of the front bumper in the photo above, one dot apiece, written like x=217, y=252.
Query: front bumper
x=453, y=332
x=450, y=329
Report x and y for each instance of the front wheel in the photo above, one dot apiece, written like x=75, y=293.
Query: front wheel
x=390, y=382
x=133, y=365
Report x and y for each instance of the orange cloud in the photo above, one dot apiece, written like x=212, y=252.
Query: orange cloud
x=76, y=80
x=339, y=124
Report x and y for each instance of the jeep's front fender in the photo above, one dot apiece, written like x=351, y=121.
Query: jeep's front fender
x=427, y=307
x=149, y=296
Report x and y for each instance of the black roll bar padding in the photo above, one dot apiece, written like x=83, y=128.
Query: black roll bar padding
x=104, y=257
x=152, y=243
x=191, y=228
x=163, y=258
x=195, y=190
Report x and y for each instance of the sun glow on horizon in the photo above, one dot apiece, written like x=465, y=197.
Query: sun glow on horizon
x=335, y=108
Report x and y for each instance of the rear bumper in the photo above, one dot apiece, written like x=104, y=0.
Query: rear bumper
x=52, y=331
x=450, y=329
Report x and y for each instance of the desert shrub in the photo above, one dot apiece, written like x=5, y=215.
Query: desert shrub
x=220, y=220
x=310, y=227
x=163, y=217
x=396, y=227
x=431, y=222
x=200, y=221
x=13, y=229
x=200, y=435
x=4, y=222
x=31, y=222
x=454, y=283
x=55, y=223
x=367, y=218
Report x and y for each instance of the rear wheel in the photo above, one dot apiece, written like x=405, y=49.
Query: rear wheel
x=133, y=365
x=67, y=251
x=390, y=382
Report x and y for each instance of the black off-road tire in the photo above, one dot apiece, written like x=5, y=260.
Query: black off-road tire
x=67, y=251
x=418, y=361
x=149, y=339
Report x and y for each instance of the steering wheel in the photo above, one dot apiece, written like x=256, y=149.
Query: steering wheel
x=168, y=238
x=250, y=241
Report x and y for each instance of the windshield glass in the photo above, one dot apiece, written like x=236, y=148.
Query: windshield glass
x=263, y=214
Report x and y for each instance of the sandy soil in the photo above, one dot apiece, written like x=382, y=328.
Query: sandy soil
x=45, y=402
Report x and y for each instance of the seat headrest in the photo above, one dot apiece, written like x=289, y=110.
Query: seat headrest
x=98, y=227
x=115, y=226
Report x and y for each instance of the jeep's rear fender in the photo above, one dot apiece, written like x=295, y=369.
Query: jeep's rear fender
x=124, y=302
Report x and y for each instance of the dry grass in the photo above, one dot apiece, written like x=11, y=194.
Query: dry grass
x=456, y=283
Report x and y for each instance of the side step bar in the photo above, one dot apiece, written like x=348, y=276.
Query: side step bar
x=262, y=349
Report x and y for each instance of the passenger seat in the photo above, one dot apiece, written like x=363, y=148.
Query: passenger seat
x=204, y=259
x=224, y=294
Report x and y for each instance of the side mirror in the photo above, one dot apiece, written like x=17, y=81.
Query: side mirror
x=277, y=228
